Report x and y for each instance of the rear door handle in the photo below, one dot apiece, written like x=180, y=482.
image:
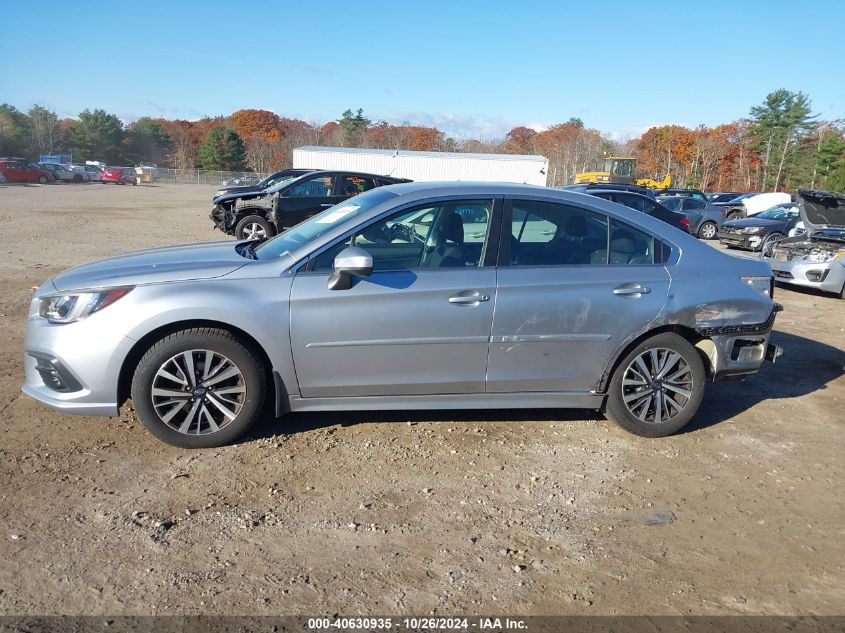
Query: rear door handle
x=327, y=204
x=470, y=298
x=629, y=290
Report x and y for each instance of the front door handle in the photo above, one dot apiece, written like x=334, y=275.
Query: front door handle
x=326, y=204
x=631, y=290
x=468, y=298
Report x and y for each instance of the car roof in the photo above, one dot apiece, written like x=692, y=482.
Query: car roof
x=598, y=192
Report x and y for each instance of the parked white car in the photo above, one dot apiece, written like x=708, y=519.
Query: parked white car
x=762, y=201
x=62, y=172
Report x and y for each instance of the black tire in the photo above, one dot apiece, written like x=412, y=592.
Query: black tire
x=252, y=377
x=771, y=238
x=735, y=216
x=693, y=381
x=43, y=179
x=77, y=178
x=250, y=226
x=841, y=294
x=708, y=231
x=2, y=177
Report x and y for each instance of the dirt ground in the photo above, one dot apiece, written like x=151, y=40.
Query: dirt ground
x=524, y=512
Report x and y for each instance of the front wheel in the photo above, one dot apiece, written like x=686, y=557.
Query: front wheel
x=707, y=231
x=199, y=388
x=77, y=178
x=2, y=178
x=657, y=388
x=253, y=227
x=770, y=241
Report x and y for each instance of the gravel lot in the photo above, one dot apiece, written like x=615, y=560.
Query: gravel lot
x=525, y=512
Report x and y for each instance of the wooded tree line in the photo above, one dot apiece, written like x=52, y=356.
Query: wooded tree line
x=781, y=144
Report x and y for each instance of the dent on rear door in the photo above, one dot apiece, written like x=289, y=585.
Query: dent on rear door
x=555, y=328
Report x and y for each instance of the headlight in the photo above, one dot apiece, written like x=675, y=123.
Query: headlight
x=752, y=230
x=822, y=257
x=763, y=285
x=76, y=306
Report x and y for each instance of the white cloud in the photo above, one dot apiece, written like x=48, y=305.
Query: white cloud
x=457, y=126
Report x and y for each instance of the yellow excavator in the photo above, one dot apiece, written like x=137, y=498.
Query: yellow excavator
x=621, y=169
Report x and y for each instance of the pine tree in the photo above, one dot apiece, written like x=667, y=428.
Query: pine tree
x=222, y=149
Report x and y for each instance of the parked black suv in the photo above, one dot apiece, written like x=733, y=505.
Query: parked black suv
x=262, y=184
x=260, y=214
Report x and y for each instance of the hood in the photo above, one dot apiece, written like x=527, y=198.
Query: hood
x=171, y=263
x=239, y=195
x=240, y=189
x=755, y=221
x=821, y=209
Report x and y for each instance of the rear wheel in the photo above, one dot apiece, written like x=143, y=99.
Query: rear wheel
x=43, y=179
x=253, y=227
x=707, y=231
x=77, y=178
x=735, y=216
x=2, y=177
x=199, y=388
x=657, y=388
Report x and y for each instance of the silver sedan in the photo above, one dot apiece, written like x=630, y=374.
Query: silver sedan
x=413, y=296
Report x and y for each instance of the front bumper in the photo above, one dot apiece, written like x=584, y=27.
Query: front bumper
x=828, y=277
x=73, y=368
x=222, y=218
x=738, y=240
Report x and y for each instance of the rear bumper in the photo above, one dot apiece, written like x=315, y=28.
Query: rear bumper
x=737, y=350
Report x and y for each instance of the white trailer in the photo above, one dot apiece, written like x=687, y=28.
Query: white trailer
x=426, y=166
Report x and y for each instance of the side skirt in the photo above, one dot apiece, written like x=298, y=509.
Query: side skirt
x=522, y=400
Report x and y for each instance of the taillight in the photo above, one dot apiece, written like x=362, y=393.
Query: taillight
x=685, y=223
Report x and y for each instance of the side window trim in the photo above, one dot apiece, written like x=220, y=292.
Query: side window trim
x=489, y=252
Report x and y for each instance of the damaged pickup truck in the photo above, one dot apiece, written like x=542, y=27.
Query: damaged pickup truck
x=255, y=215
x=815, y=259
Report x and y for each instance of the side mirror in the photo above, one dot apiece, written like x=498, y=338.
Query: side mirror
x=350, y=261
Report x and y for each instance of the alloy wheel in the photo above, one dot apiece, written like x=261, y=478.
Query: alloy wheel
x=708, y=231
x=254, y=231
x=198, y=392
x=657, y=385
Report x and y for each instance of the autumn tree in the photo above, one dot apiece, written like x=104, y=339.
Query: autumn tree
x=46, y=131
x=520, y=140
x=222, y=149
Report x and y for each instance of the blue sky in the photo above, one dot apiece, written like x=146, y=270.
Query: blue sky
x=473, y=69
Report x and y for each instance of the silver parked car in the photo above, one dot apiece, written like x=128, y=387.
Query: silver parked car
x=411, y=296
x=815, y=257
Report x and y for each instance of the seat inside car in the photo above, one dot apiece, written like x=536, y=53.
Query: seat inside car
x=624, y=249
x=447, y=248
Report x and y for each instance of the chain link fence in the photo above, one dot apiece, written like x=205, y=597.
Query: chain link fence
x=204, y=177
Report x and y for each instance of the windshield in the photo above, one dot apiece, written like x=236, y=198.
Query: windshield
x=779, y=212
x=282, y=183
x=321, y=223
